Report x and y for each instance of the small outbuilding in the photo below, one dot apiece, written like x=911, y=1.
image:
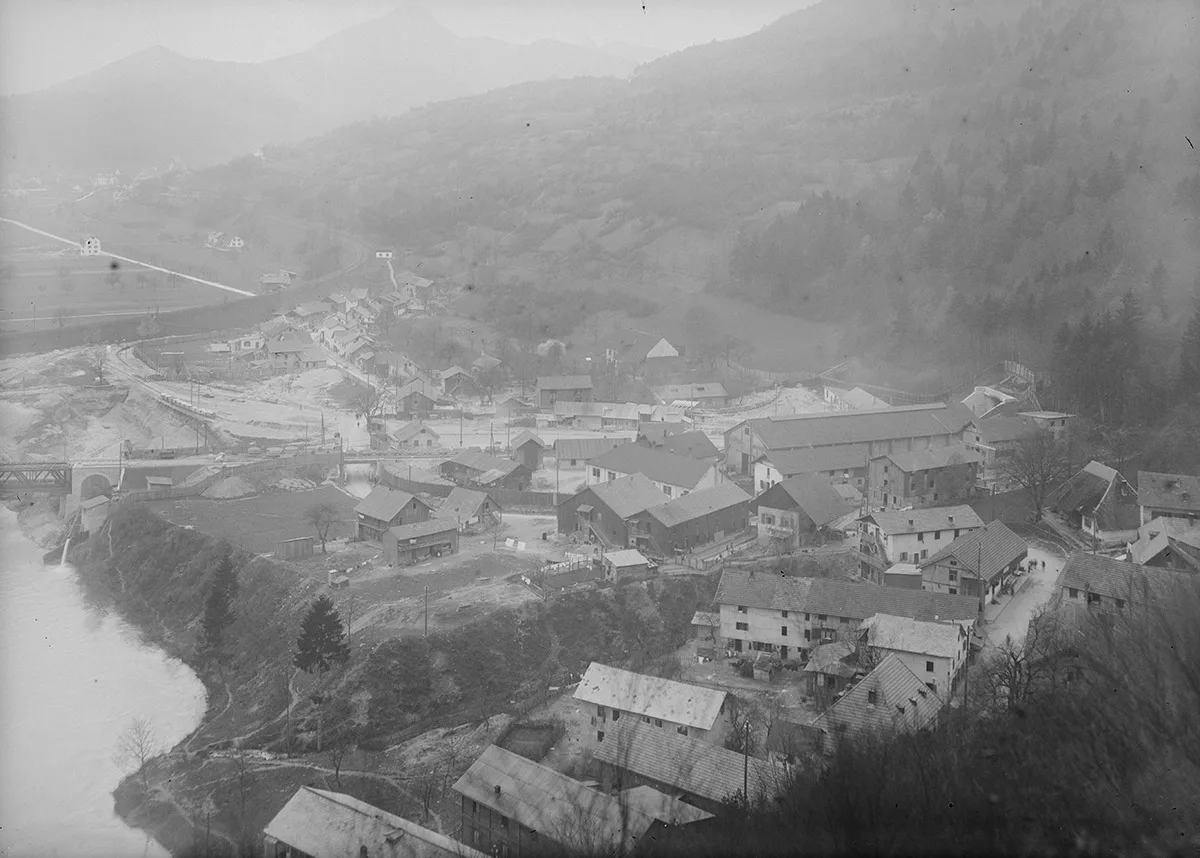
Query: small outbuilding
x=625, y=565
x=412, y=543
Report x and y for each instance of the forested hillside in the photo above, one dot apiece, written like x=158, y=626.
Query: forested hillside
x=961, y=177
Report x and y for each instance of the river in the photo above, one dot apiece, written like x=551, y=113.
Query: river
x=71, y=680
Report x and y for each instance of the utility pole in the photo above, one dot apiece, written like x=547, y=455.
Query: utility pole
x=287, y=695
x=426, y=610
x=460, y=427
x=746, y=766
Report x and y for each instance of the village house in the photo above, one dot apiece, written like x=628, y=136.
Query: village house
x=792, y=514
x=456, y=381
x=650, y=355
x=789, y=616
x=414, y=434
x=339, y=302
x=485, y=363
x=528, y=449
x=913, y=427
x=1055, y=423
x=855, y=399
x=976, y=564
x=666, y=414
x=626, y=564
x=1167, y=543
x=574, y=452
x=703, y=774
x=512, y=407
x=1174, y=496
x=654, y=433
x=308, y=315
x=1098, y=501
x=836, y=464
x=396, y=364
x=511, y=806
x=995, y=438
x=602, y=512
x=483, y=469
x=411, y=543
x=276, y=328
x=674, y=475
x=906, y=575
x=319, y=823
x=1093, y=582
x=692, y=521
x=413, y=401
x=923, y=477
x=708, y=394
x=689, y=710
x=596, y=416
x=469, y=509
x=902, y=536
x=694, y=444
x=247, y=343
x=935, y=651
x=294, y=355
x=572, y=388
x=984, y=399
x=890, y=699
x=706, y=629
x=830, y=668
x=386, y=507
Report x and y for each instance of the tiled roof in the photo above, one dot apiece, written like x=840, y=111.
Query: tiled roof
x=1117, y=579
x=690, y=765
x=699, y=503
x=1159, y=534
x=656, y=432
x=422, y=528
x=698, y=391
x=993, y=545
x=706, y=618
x=791, y=463
x=629, y=495
x=564, y=382
x=859, y=398
x=938, y=457
x=809, y=493
x=857, y=601
x=658, y=465
x=486, y=362
x=904, y=634
x=1169, y=491
x=383, y=503
x=523, y=437
x=327, y=824
x=902, y=521
x=625, y=557
x=650, y=696
x=584, y=448
x=902, y=703
x=664, y=808
x=640, y=347
x=411, y=430
x=477, y=460
x=836, y=658
x=415, y=386
x=461, y=504
x=859, y=427
x=1003, y=428
x=1085, y=490
x=559, y=808
x=694, y=444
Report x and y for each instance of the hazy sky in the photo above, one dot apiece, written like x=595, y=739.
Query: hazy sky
x=43, y=42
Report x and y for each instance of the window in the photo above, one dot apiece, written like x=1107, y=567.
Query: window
x=937, y=534
x=601, y=712
x=820, y=618
x=830, y=682
x=743, y=627
x=932, y=686
x=657, y=722
x=741, y=609
x=924, y=553
x=681, y=730
x=903, y=556
x=504, y=824
x=807, y=618
x=953, y=591
x=474, y=808
x=475, y=836
x=783, y=631
x=1093, y=598
x=784, y=613
x=872, y=696
x=646, y=719
x=768, y=518
x=885, y=469
x=595, y=473
x=1120, y=603
x=612, y=475
x=953, y=575
x=617, y=713
x=920, y=537
x=599, y=735
x=807, y=635
x=929, y=667
x=1074, y=593
x=667, y=490
x=956, y=532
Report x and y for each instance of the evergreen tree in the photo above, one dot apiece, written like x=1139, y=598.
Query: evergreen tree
x=1189, y=358
x=218, y=609
x=322, y=640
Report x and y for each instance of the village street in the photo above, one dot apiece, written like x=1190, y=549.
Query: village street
x=1010, y=617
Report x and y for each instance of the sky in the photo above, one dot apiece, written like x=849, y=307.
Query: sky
x=43, y=42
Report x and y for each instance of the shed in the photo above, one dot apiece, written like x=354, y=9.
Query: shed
x=159, y=487
x=625, y=564
x=411, y=543
x=294, y=549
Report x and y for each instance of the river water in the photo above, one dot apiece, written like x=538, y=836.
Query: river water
x=71, y=680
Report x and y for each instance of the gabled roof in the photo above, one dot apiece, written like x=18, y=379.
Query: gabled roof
x=694, y=444
x=904, y=634
x=627, y=411
x=860, y=399
x=485, y=362
x=787, y=737
x=1160, y=534
x=692, y=766
x=292, y=345
x=461, y=504
x=564, y=382
x=656, y=433
x=411, y=430
x=809, y=493
x=560, y=809
x=418, y=529
x=791, y=463
x=901, y=521
x=385, y=503
x=1169, y=491
x=524, y=437
x=858, y=427
x=696, y=392
x=699, y=503
x=902, y=703
x=628, y=496
x=327, y=824
x=706, y=618
x=658, y=465
x=993, y=545
x=476, y=460
x=584, y=448
x=450, y=372
x=1085, y=490
x=1095, y=573
x=651, y=696
x=641, y=347
x=666, y=809
x=938, y=457
x=415, y=386
x=625, y=558
x=854, y=600
x=1004, y=428
x=838, y=658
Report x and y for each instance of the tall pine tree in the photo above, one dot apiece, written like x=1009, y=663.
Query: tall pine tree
x=322, y=640
x=218, y=609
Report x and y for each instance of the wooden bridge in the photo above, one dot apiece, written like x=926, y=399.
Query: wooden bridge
x=17, y=478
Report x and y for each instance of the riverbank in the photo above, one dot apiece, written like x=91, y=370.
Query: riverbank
x=380, y=707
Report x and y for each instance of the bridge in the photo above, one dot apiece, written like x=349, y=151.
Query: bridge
x=18, y=478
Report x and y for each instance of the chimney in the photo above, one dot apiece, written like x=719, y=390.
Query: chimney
x=951, y=519
x=497, y=789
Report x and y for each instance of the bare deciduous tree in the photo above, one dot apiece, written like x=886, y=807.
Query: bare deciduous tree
x=1037, y=463
x=322, y=516
x=136, y=747
x=1016, y=670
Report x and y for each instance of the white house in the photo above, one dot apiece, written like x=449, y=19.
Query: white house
x=673, y=474
x=689, y=710
x=934, y=650
x=910, y=535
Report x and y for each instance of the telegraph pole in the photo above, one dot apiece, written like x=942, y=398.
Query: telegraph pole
x=426, y=610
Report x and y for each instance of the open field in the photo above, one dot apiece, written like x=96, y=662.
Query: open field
x=257, y=523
